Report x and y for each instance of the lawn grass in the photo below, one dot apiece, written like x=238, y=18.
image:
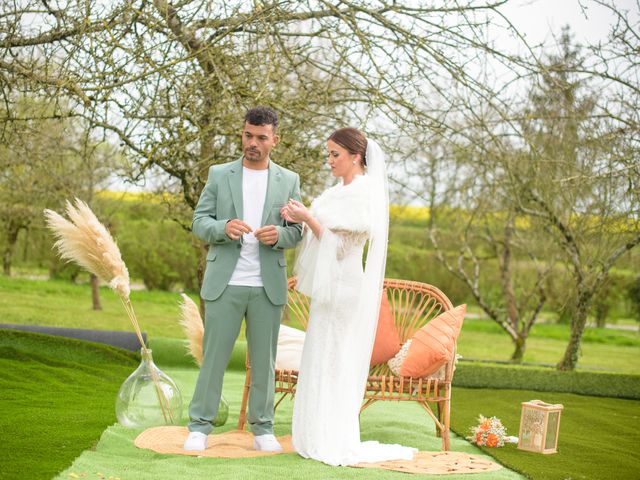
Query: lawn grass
x=558, y=331
x=598, y=437
x=172, y=352
x=60, y=303
x=548, y=351
x=57, y=397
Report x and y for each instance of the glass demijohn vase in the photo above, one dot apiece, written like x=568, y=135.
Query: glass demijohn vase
x=223, y=412
x=148, y=397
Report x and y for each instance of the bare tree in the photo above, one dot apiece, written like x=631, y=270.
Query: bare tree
x=39, y=166
x=476, y=233
x=576, y=182
x=171, y=80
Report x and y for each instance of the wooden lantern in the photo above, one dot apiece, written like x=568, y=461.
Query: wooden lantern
x=539, y=426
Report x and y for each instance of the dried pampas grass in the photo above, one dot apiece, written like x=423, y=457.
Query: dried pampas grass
x=193, y=327
x=85, y=241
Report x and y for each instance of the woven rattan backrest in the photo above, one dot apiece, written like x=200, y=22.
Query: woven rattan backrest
x=413, y=304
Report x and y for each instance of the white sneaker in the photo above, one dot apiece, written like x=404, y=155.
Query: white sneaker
x=266, y=443
x=196, y=441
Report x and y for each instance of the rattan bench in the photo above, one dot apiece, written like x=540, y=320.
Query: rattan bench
x=413, y=305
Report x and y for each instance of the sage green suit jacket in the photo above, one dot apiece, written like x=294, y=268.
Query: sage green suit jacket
x=221, y=201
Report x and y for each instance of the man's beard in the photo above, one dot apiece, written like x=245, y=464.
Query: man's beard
x=253, y=156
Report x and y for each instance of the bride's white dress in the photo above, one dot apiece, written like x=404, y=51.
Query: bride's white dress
x=338, y=342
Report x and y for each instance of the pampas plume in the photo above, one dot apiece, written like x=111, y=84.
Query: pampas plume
x=87, y=242
x=193, y=327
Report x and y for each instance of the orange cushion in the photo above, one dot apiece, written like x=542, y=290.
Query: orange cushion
x=433, y=344
x=387, y=342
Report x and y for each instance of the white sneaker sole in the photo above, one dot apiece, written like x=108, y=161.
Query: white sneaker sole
x=271, y=448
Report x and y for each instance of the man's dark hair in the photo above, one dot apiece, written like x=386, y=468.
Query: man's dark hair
x=262, y=116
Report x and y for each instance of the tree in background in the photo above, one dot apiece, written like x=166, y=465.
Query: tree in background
x=45, y=158
x=553, y=181
x=476, y=234
x=634, y=295
x=171, y=81
x=35, y=158
x=571, y=185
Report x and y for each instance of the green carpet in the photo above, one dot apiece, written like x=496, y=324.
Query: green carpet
x=57, y=396
x=116, y=456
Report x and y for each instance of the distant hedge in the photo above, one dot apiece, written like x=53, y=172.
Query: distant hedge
x=169, y=352
x=544, y=379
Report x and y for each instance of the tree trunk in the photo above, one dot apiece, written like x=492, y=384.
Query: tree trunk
x=12, y=239
x=521, y=345
x=6, y=261
x=579, y=321
x=95, y=293
x=25, y=251
x=508, y=293
x=601, y=312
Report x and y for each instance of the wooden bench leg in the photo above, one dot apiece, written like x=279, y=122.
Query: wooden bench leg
x=242, y=419
x=446, y=443
x=446, y=414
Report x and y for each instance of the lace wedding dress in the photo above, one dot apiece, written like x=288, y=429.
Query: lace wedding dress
x=340, y=332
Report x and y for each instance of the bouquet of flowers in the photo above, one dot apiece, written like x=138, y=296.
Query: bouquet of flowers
x=490, y=432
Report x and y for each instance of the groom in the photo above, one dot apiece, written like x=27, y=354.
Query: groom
x=238, y=215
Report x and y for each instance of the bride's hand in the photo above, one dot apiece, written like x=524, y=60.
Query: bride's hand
x=295, y=211
x=284, y=213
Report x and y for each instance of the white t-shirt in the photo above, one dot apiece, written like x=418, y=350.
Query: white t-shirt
x=254, y=191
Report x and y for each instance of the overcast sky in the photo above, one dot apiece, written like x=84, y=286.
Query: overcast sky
x=538, y=20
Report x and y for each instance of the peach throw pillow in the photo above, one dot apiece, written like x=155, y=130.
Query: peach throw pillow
x=387, y=342
x=433, y=344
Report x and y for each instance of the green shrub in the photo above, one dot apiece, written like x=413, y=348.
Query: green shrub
x=159, y=252
x=421, y=265
x=62, y=270
x=633, y=292
x=598, y=384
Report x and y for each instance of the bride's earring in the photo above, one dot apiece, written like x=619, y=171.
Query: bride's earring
x=354, y=162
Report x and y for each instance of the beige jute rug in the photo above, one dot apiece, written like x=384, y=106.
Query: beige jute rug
x=239, y=444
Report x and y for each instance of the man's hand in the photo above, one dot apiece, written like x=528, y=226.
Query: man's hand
x=236, y=228
x=267, y=234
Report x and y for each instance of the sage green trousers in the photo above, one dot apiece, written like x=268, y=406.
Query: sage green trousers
x=223, y=318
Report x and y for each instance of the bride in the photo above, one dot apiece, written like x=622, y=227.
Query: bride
x=345, y=302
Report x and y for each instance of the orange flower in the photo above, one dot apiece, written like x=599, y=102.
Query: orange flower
x=486, y=425
x=492, y=440
x=479, y=438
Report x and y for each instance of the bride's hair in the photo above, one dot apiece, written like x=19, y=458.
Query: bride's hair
x=351, y=139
